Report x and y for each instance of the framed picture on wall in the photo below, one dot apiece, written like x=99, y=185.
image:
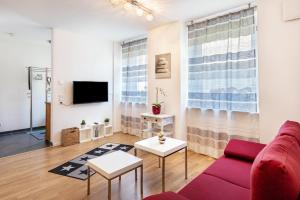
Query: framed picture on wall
x=163, y=66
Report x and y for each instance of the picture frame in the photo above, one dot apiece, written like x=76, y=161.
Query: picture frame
x=163, y=66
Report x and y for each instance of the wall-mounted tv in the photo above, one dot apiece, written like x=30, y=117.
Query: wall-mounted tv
x=89, y=92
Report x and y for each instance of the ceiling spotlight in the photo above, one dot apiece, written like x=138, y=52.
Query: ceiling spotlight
x=115, y=2
x=139, y=12
x=149, y=17
x=128, y=6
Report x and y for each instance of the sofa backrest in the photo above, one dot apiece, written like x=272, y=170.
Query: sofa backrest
x=275, y=173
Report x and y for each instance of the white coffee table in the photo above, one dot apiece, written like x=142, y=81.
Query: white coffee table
x=113, y=165
x=171, y=146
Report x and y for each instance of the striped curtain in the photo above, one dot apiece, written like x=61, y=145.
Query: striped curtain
x=222, y=63
x=134, y=85
x=222, y=82
x=134, y=71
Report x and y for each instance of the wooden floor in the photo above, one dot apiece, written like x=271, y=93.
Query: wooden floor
x=26, y=176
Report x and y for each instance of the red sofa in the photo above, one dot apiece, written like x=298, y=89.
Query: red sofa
x=249, y=171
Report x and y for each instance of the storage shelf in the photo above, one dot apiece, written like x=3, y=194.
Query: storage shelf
x=156, y=131
x=87, y=133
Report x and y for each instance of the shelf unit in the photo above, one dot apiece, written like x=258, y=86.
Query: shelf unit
x=85, y=134
x=97, y=131
x=94, y=132
x=108, y=130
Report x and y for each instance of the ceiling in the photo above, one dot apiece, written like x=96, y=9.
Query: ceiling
x=36, y=17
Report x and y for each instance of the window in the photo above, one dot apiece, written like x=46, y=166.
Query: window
x=134, y=71
x=222, y=63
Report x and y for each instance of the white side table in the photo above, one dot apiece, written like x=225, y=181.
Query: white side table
x=113, y=165
x=161, y=121
x=171, y=146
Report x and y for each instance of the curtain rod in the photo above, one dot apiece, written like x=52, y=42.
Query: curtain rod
x=133, y=39
x=222, y=13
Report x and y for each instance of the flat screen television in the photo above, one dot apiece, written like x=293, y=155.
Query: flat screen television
x=89, y=92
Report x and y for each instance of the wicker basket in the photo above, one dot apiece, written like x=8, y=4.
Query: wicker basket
x=70, y=136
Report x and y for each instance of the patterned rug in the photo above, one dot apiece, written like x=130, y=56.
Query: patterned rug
x=76, y=168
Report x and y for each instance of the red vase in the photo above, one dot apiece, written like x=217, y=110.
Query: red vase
x=156, y=109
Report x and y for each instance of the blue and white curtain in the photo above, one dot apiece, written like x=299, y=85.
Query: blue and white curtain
x=134, y=71
x=134, y=85
x=222, y=63
x=222, y=82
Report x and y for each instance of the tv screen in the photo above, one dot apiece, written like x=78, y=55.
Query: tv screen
x=89, y=92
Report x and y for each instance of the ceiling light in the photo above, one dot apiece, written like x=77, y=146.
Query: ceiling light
x=137, y=5
x=149, y=17
x=128, y=6
x=139, y=12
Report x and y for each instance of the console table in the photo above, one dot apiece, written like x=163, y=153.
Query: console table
x=160, y=121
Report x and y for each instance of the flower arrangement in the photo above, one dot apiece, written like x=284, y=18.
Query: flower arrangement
x=156, y=107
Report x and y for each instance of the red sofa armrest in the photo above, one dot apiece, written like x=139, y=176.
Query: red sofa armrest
x=243, y=149
x=166, y=196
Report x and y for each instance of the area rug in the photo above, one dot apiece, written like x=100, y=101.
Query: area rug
x=76, y=167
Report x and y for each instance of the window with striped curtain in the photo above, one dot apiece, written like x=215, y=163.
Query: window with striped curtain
x=134, y=71
x=222, y=63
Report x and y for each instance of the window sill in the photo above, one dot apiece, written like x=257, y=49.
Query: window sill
x=216, y=110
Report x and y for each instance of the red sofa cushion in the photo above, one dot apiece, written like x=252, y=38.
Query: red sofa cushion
x=207, y=187
x=231, y=170
x=243, y=149
x=290, y=128
x=275, y=173
x=166, y=196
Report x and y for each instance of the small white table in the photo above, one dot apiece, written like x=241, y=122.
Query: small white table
x=161, y=121
x=113, y=165
x=171, y=146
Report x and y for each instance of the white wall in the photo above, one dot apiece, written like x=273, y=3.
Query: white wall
x=15, y=54
x=168, y=39
x=81, y=58
x=279, y=68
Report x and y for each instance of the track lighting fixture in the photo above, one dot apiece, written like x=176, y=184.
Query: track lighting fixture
x=137, y=5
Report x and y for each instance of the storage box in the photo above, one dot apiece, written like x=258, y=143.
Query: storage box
x=70, y=136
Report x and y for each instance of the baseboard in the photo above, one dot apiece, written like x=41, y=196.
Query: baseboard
x=20, y=130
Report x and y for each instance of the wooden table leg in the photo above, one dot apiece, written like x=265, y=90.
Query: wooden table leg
x=109, y=189
x=89, y=177
x=120, y=179
x=135, y=154
x=142, y=182
x=185, y=162
x=158, y=162
x=163, y=174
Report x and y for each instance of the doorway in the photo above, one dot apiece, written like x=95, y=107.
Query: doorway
x=25, y=92
x=39, y=86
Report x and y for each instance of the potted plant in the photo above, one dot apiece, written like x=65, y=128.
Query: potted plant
x=83, y=124
x=106, y=121
x=156, y=107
